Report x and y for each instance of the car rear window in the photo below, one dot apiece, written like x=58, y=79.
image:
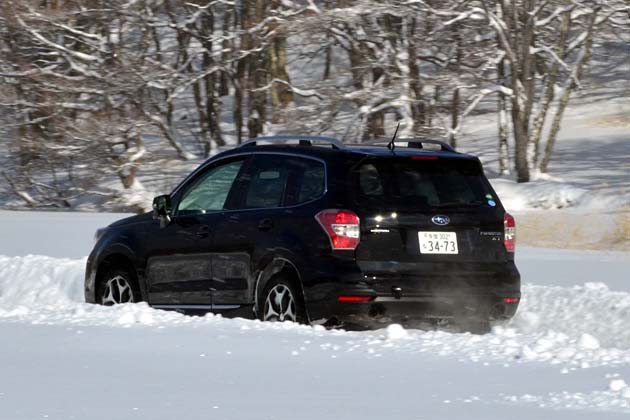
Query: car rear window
x=407, y=184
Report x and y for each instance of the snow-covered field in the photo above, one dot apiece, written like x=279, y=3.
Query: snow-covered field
x=566, y=355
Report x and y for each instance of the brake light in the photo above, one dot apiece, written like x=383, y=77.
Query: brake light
x=342, y=227
x=510, y=300
x=509, y=229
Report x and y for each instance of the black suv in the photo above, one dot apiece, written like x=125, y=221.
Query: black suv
x=308, y=229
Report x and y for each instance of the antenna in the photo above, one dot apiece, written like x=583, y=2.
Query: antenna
x=391, y=145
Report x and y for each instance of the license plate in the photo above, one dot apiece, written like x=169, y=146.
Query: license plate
x=438, y=242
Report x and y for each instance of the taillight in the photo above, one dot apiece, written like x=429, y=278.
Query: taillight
x=509, y=228
x=342, y=227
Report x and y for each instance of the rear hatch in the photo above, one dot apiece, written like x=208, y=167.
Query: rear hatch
x=428, y=223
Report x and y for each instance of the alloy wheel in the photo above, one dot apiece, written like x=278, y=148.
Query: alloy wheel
x=117, y=290
x=280, y=305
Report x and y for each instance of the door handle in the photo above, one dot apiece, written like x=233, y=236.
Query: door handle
x=265, y=224
x=203, y=231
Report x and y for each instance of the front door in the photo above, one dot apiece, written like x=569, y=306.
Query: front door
x=179, y=260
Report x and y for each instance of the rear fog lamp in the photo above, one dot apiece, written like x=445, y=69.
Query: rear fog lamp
x=355, y=299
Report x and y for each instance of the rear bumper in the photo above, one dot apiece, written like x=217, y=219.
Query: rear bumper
x=387, y=309
x=470, y=295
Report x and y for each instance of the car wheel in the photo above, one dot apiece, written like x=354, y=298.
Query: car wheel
x=116, y=287
x=281, y=302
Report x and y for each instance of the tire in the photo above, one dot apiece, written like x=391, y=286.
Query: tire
x=282, y=302
x=115, y=287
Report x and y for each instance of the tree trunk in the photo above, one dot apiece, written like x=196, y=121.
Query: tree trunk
x=456, y=100
x=356, y=62
x=568, y=88
x=454, y=118
x=227, y=47
x=549, y=91
x=241, y=84
x=504, y=155
x=376, y=120
x=203, y=118
x=417, y=104
x=212, y=110
x=238, y=109
x=520, y=142
x=375, y=126
x=328, y=62
x=256, y=96
x=281, y=95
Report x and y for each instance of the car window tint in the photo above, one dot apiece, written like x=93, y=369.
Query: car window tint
x=311, y=178
x=370, y=181
x=414, y=185
x=267, y=184
x=210, y=192
x=276, y=181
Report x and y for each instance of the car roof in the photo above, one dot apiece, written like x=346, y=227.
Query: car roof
x=350, y=150
x=405, y=151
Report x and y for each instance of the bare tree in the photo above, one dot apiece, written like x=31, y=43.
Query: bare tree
x=95, y=89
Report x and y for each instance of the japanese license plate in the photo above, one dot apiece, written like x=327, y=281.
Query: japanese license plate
x=438, y=242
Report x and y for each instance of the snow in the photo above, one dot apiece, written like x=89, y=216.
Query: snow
x=617, y=385
x=536, y=194
x=567, y=268
x=565, y=355
x=557, y=324
x=48, y=233
x=588, y=342
x=546, y=193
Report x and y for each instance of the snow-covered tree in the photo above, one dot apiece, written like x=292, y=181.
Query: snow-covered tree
x=94, y=90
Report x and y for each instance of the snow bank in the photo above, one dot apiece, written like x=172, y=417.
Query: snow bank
x=592, y=313
x=580, y=327
x=538, y=194
x=546, y=192
x=38, y=281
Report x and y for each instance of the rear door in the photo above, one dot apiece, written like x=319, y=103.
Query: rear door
x=266, y=222
x=427, y=223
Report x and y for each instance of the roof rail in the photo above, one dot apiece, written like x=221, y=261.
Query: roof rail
x=302, y=141
x=413, y=143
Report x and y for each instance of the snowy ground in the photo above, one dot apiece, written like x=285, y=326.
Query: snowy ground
x=565, y=356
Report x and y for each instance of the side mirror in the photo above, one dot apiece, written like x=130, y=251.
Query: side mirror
x=162, y=209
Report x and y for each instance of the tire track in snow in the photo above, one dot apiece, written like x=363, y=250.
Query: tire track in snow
x=578, y=327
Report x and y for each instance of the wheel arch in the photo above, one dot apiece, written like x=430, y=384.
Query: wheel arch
x=118, y=257
x=276, y=267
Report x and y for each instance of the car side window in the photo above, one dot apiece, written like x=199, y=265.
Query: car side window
x=267, y=184
x=210, y=192
x=276, y=181
x=310, y=180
